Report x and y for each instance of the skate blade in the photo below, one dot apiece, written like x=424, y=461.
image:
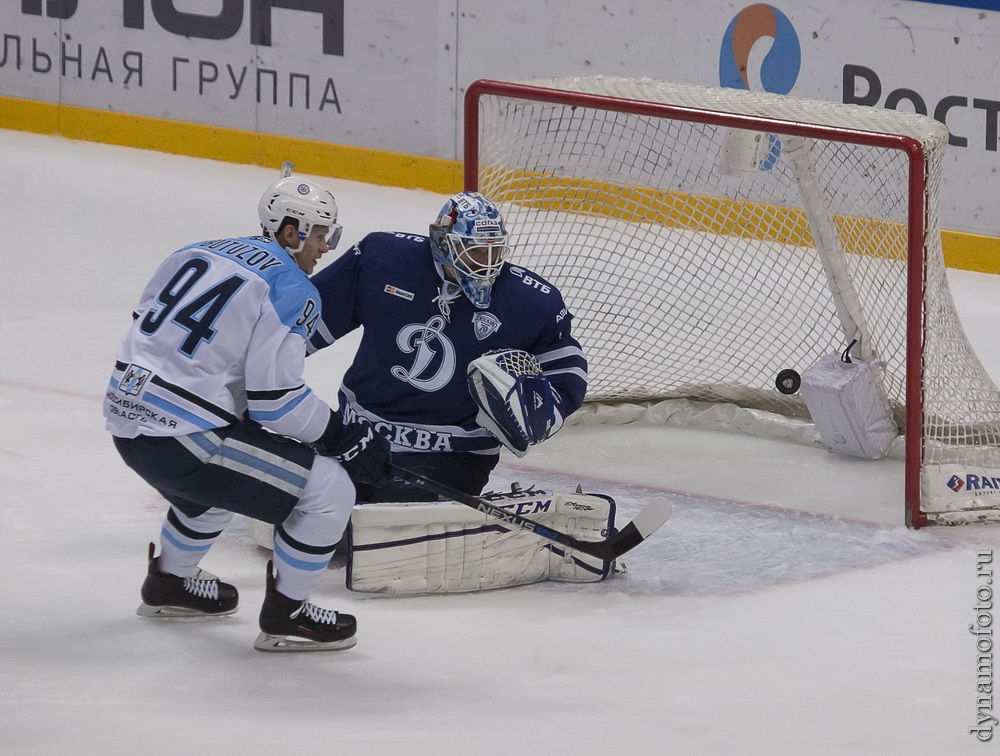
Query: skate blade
x=177, y=612
x=283, y=643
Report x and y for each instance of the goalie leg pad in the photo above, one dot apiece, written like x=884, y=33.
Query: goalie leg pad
x=445, y=547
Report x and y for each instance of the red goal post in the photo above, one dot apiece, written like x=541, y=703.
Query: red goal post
x=708, y=238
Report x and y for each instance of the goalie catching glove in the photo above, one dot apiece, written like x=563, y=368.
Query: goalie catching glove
x=516, y=403
x=362, y=452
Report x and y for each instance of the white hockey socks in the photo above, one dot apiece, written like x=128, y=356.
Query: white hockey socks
x=304, y=542
x=185, y=540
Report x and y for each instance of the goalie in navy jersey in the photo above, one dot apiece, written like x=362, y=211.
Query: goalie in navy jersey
x=462, y=351
x=207, y=404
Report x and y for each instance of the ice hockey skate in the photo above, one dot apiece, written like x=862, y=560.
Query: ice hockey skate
x=200, y=595
x=292, y=625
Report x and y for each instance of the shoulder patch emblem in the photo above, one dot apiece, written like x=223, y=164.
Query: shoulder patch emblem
x=390, y=289
x=485, y=324
x=134, y=379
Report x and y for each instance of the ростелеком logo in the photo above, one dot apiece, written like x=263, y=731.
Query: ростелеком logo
x=779, y=68
x=755, y=29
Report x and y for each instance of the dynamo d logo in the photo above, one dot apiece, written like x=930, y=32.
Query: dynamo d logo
x=780, y=67
x=434, y=355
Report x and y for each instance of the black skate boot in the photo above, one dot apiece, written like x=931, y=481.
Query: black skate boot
x=291, y=625
x=201, y=595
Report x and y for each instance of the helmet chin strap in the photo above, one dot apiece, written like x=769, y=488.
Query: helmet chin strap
x=296, y=252
x=293, y=251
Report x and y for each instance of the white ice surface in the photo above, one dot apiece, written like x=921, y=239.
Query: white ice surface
x=784, y=609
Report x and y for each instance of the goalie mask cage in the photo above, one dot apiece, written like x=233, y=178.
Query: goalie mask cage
x=707, y=239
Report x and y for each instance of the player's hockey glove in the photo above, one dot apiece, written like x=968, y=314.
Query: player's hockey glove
x=362, y=452
x=515, y=400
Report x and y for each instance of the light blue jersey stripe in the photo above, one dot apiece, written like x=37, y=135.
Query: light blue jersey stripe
x=281, y=411
x=183, y=414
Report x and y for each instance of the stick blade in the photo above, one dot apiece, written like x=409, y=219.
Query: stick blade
x=647, y=522
x=652, y=517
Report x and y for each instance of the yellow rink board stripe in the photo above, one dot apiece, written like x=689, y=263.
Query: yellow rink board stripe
x=232, y=145
x=961, y=250
x=971, y=251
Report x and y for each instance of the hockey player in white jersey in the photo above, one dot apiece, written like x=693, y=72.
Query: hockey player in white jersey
x=207, y=404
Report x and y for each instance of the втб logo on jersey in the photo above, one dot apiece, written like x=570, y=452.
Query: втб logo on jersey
x=434, y=362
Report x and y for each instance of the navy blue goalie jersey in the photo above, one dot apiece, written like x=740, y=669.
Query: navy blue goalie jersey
x=420, y=333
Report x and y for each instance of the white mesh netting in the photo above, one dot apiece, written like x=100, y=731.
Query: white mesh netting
x=700, y=260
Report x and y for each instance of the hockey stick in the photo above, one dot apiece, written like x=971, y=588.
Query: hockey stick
x=653, y=515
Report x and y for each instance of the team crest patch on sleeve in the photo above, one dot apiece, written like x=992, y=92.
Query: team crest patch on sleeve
x=134, y=379
x=390, y=289
x=485, y=324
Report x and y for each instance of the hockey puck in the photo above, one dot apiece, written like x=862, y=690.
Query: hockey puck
x=788, y=381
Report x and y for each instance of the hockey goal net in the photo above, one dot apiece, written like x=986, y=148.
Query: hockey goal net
x=707, y=239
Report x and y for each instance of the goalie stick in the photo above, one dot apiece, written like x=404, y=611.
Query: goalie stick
x=652, y=516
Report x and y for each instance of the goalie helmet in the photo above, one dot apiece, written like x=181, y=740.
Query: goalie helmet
x=306, y=201
x=469, y=238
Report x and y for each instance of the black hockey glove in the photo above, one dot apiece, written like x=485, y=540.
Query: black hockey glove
x=363, y=453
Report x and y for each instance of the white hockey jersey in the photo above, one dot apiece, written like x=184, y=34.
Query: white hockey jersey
x=219, y=335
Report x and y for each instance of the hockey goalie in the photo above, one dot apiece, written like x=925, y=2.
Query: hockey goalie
x=446, y=547
x=438, y=312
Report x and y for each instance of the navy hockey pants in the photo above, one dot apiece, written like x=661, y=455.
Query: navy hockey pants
x=469, y=473
x=240, y=468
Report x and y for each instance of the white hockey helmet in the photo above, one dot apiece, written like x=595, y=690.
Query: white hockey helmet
x=306, y=201
x=469, y=238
